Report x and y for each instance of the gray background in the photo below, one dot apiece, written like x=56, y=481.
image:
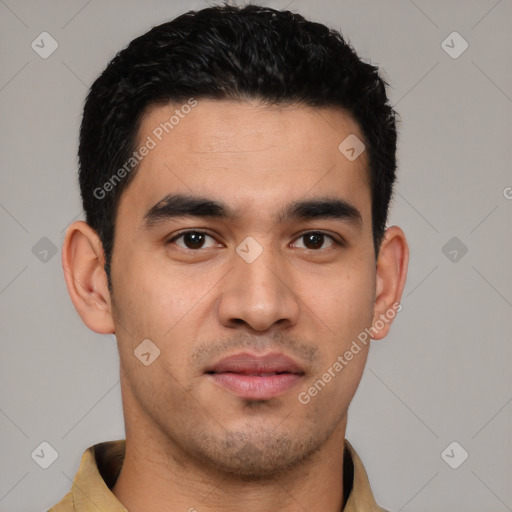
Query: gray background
x=442, y=375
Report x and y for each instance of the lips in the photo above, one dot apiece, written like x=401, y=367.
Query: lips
x=256, y=377
x=249, y=364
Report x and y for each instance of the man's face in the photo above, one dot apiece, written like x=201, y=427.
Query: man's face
x=301, y=286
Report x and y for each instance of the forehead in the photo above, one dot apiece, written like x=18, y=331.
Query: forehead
x=250, y=155
x=246, y=126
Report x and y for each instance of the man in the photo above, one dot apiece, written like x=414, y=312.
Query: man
x=236, y=168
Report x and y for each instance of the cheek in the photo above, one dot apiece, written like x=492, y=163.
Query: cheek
x=149, y=298
x=344, y=301
x=152, y=304
x=345, y=308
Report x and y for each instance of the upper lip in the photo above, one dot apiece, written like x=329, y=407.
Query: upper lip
x=246, y=363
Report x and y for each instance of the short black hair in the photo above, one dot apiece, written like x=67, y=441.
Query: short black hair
x=229, y=53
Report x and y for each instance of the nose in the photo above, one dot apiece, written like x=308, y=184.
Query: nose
x=258, y=295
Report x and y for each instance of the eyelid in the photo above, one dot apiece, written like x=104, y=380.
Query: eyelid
x=175, y=236
x=340, y=241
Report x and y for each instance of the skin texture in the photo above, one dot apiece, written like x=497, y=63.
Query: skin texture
x=190, y=442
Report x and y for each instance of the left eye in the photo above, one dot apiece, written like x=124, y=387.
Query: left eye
x=315, y=240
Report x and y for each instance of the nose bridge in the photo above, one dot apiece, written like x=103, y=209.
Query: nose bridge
x=258, y=292
x=261, y=271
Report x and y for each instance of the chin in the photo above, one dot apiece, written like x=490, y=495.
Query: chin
x=257, y=453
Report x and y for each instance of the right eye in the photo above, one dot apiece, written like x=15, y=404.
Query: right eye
x=192, y=240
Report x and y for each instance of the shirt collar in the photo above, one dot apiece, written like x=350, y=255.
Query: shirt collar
x=102, y=462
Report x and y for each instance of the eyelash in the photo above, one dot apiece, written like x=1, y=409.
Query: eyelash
x=179, y=235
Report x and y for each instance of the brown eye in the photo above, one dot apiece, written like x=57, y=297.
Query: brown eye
x=315, y=239
x=192, y=240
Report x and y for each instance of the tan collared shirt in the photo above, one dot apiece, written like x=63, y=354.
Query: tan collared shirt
x=101, y=465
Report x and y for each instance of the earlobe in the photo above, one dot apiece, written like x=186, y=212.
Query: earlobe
x=86, y=281
x=392, y=264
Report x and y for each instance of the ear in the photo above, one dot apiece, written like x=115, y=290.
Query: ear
x=392, y=265
x=83, y=264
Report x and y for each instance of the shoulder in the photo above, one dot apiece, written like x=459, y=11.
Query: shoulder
x=64, y=505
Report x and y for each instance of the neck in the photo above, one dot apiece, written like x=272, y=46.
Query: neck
x=157, y=475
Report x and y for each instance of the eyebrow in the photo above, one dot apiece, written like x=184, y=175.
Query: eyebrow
x=185, y=205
